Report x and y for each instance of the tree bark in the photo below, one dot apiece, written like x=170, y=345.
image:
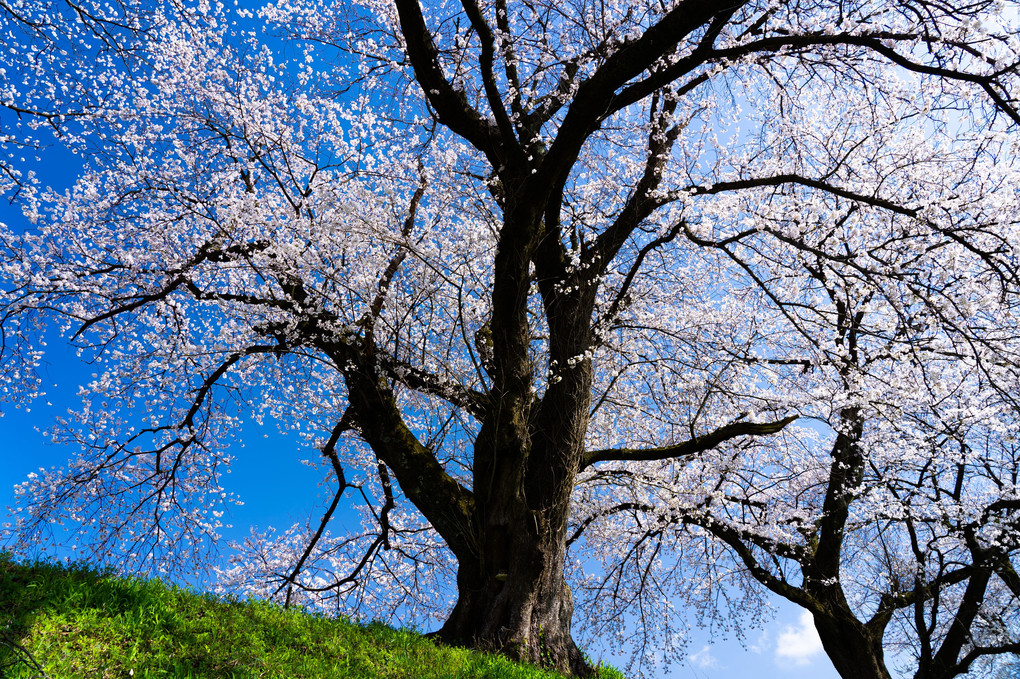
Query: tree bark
x=515, y=601
x=855, y=651
x=512, y=596
x=854, y=647
x=509, y=534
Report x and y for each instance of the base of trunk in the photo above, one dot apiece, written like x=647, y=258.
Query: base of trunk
x=528, y=624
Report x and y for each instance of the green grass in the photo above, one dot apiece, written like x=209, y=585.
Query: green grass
x=72, y=622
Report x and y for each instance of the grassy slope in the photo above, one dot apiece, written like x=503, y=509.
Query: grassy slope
x=76, y=622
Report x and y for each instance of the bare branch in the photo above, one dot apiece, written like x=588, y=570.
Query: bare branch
x=691, y=447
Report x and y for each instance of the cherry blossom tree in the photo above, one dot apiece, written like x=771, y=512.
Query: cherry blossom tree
x=727, y=286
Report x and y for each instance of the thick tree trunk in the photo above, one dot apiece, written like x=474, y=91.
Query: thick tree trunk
x=855, y=650
x=517, y=602
x=509, y=535
x=854, y=647
x=512, y=596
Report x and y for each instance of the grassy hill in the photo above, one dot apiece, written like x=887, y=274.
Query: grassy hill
x=74, y=622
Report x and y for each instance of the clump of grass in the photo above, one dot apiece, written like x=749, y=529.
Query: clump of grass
x=74, y=621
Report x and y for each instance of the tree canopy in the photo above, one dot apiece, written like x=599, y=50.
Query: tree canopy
x=671, y=302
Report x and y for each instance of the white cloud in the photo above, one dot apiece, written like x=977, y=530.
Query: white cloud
x=798, y=644
x=704, y=659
